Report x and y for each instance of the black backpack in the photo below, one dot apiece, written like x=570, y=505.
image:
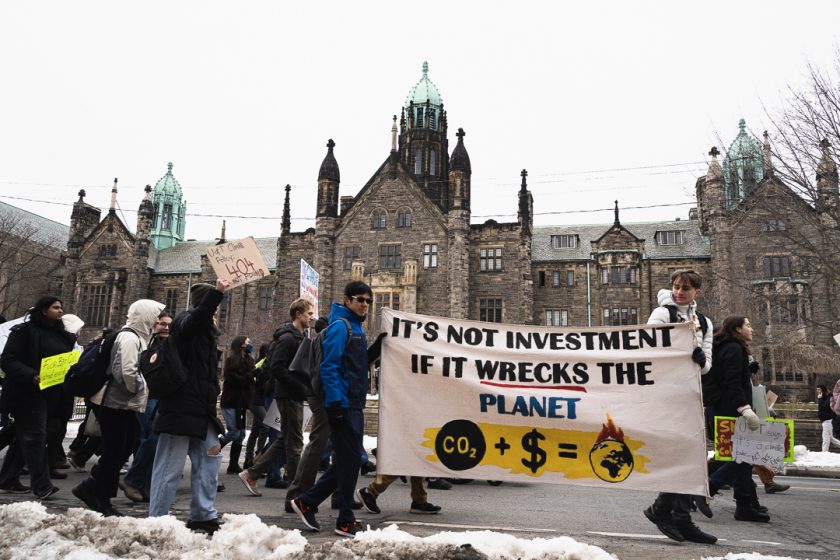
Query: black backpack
x=162, y=368
x=674, y=318
x=87, y=376
x=307, y=360
x=709, y=384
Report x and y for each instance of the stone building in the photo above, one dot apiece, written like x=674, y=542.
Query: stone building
x=408, y=233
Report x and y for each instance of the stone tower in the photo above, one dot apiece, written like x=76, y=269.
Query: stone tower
x=458, y=224
x=827, y=192
x=138, y=275
x=526, y=228
x=743, y=166
x=83, y=220
x=168, y=211
x=326, y=222
x=423, y=146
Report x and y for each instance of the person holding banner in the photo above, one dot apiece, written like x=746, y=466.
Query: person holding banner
x=731, y=358
x=42, y=336
x=671, y=513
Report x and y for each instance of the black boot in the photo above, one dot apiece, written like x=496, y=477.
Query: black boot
x=233, y=466
x=693, y=533
x=664, y=522
x=744, y=511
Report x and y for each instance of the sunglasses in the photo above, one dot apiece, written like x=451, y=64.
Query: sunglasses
x=362, y=299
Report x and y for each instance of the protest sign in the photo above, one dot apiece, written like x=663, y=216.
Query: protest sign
x=309, y=278
x=725, y=430
x=616, y=406
x=762, y=446
x=273, y=419
x=238, y=261
x=54, y=368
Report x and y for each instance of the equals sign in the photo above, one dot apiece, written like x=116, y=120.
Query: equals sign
x=572, y=454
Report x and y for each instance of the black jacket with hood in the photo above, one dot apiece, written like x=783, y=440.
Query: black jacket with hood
x=730, y=366
x=287, y=385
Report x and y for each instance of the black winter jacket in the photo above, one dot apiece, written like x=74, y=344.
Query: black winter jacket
x=824, y=411
x=192, y=408
x=287, y=385
x=730, y=366
x=238, y=388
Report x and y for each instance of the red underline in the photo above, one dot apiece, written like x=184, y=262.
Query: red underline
x=558, y=387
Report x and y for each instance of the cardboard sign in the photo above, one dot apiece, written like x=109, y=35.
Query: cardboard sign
x=762, y=446
x=274, y=421
x=725, y=430
x=309, y=278
x=238, y=261
x=54, y=368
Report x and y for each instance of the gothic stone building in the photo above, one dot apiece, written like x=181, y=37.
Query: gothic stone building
x=408, y=234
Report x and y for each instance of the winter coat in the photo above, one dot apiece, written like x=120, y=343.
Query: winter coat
x=835, y=398
x=27, y=344
x=344, y=367
x=191, y=409
x=733, y=376
x=684, y=312
x=287, y=385
x=238, y=387
x=824, y=411
x=126, y=388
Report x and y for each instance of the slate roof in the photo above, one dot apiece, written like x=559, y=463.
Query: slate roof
x=186, y=256
x=696, y=245
x=47, y=232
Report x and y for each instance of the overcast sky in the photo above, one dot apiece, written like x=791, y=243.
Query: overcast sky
x=598, y=100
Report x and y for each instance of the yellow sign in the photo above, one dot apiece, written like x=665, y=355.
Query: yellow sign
x=54, y=368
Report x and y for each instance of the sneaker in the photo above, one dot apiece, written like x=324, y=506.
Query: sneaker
x=45, y=494
x=77, y=465
x=220, y=487
x=348, y=529
x=250, y=483
x=131, y=492
x=693, y=533
x=16, y=488
x=208, y=526
x=773, y=488
x=424, y=508
x=664, y=523
x=439, y=484
x=368, y=467
x=85, y=495
x=702, y=506
x=306, y=514
x=368, y=501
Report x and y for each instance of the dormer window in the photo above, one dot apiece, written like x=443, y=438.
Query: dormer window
x=564, y=241
x=379, y=220
x=404, y=219
x=673, y=237
x=773, y=225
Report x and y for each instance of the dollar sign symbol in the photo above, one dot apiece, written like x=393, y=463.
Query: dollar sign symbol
x=531, y=444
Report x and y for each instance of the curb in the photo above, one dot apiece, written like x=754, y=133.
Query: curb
x=804, y=470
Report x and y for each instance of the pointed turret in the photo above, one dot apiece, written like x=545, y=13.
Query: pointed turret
x=113, y=208
x=526, y=205
x=169, y=211
x=827, y=188
x=138, y=277
x=460, y=173
x=286, y=225
x=328, y=182
x=711, y=193
x=767, y=156
x=743, y=167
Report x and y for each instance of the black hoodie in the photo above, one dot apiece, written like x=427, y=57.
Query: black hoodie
x=287, y=385
x=730, y=365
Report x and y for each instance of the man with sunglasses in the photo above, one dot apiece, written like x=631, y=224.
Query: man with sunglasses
x=344, y=376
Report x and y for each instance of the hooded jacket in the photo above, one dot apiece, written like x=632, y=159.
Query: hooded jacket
x=684, y=314
x=126, y=388
x=287, y=385
x=345, y=381
x=733, y=376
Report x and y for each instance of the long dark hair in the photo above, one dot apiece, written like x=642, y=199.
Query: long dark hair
x=235, y=359
x=36, y=313
x=728, y=328
x=824, y=390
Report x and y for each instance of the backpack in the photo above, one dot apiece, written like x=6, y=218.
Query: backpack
x=162, y=368
x=674, y=318
x=87, y=376
x=307, y=360
x=710, y=388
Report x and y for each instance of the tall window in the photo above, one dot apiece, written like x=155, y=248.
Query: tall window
x=166, y=220
x=805, y=266
x=350, y=254
x=96, y=300
x=172, y=301
x=570, y=278
x=432, y=162
x=404, y=218
x=619, y=275
x=555, y=279
x=785, y=310
x=776, y=266
x=676, y=237
x=390, y=257
x=557, y=317
x=432, y=123
x=155, y=215
x=418, y=162
x=379, y=219
x=564, y=241
x=430, y=255
x=490, y=259
x=420, y=123
x=380, y=301
x=620, y=316
x=265, y=299
x=541, y=277
x=490, y=310
x=224, y=309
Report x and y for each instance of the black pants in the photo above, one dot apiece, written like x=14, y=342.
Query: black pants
x=31, y=434
x=678, y=504
x=119, y=438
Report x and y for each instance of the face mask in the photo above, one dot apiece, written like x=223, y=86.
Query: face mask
x=249, y=348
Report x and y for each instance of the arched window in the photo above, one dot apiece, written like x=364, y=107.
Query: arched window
x=419, y=122
x=432, y=123
x=404, y=218
x=379, y=219
x=432, y=162
x=166, y=220
x=418, y=162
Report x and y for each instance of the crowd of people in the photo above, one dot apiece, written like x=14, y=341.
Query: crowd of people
x=123, y=422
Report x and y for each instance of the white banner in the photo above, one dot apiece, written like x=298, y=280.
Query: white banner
x=614, y=406
x=309, y=279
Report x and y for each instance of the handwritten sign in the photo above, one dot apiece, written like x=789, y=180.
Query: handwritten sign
x=238, y=261
x=309, y=284
x=726, y=431
x=54, y=368
x=762, y=446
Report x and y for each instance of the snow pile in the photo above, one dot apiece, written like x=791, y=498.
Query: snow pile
x=747, y=556
x=28, y=532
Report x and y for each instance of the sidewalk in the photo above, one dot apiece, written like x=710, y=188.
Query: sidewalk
x=813, y=463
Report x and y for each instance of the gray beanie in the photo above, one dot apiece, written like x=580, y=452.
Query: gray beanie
x=198, y=291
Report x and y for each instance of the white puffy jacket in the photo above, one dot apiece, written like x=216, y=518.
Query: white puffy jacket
x=685, y=314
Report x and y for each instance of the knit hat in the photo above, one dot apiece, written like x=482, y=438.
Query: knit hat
x=72, y=323
x=198, y=291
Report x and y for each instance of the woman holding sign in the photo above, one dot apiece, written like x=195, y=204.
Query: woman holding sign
x=730, y=359
x=42, y=336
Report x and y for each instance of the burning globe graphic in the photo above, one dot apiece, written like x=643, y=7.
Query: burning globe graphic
x=610, y=457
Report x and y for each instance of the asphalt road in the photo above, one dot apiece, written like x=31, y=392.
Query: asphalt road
x=803, y=519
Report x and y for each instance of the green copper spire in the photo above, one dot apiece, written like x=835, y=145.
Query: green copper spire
x=169, y=211
x=743, y=166
x=423, y=105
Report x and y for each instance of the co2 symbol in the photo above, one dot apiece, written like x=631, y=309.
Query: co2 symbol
x=460, y=445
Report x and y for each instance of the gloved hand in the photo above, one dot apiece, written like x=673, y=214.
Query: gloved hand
x=753, y=367
x=336, y=413
x=375, y=349
x=699, y=357
x=752, y=418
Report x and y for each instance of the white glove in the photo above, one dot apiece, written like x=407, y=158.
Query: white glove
x=751, y=417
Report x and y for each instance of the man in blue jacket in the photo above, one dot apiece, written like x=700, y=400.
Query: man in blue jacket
x=344, y=375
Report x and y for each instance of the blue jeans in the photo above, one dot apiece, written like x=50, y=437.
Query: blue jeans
x=170, y=456
x=233, y=434
x=139, y=474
